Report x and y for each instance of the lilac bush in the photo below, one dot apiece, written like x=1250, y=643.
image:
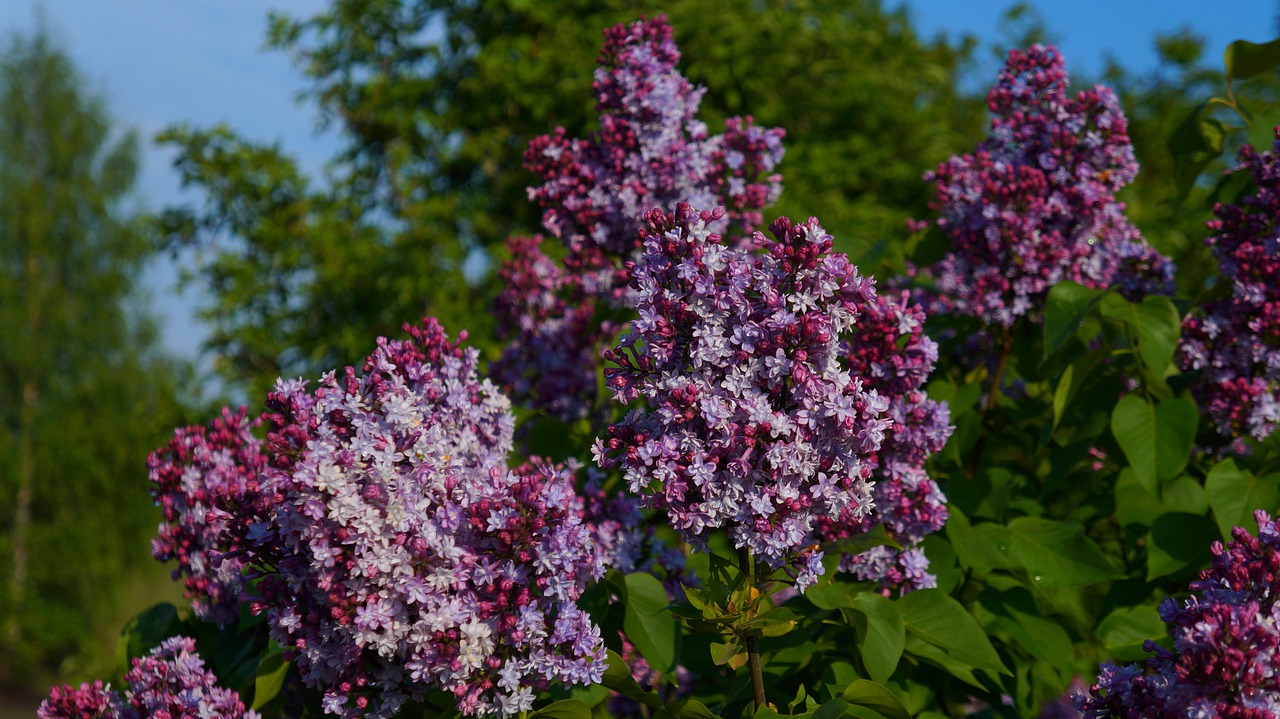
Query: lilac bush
x=170, y=683
x=1225, y=660
x=1235, y=342
x=754, y=424
x=195, y=479
x=650, y=151
x=1035, y=204
x=406, y=555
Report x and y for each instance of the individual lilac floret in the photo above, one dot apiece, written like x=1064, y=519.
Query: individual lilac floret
x=894, y=357
x=650, y=151
x=1225, y=660
x=1235, y=342
x=1035, y=204
x=408, y=557
x=170, y=683
x=194, y=478
x=753, y=423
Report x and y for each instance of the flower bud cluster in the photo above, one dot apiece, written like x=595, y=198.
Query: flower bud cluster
x=170, y=683
x=650, y=151
x=1035, y=204
x=753, y=423
x=894, y=357
x=408, y=556
x=194, y=479
x=1225, y=660
x=1235, y=342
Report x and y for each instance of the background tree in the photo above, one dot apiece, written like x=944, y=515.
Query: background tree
x=435, y=103
x=87, y=394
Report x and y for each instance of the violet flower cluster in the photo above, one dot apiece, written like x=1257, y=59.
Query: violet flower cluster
x=1225, y=660
x=170, y=683
x=894, y=357
x=754, y=424
x=1235, y=342
x=650, y=151
x=194, y=478
x=1035, y=204
x=395, y=552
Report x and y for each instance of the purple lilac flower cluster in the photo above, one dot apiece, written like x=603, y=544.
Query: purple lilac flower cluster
x=1235, y=342
x=170, y=683
x=406, y=556
x=1035, y=204
x=1225, y=660
x=650, y=151
x=894, y=357
x=194, y=478
x=753, y=425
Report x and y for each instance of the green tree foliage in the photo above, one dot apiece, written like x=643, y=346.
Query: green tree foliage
x=86, y=396
x=435, y=103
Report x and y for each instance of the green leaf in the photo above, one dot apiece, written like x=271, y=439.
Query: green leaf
x=651, y=628
x=982, y=547
x=1135, y=505
x=617, y=677
x=1234, y=494
x=884, y=637
x=1178, y=540
x=1243, y=59
x=1155, y=326
x=145, y=632
x=269, y=679
x=1123, y=632
x=1195, y=142
x=1065, y=307
x=565, y=709
x=687, y=709
x=942, y=621
x=876, y=697
x=1155, y=438
x=938, y=657
x=1058, y=554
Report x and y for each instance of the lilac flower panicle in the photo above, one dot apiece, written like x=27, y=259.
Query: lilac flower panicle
x=1234, y=343
x=1225, y=660
x=408, y=556
x=894, y=357
x=754, y=424
x=170, y=683
x=1035, y=204
x=195, y=479
x=650, y=151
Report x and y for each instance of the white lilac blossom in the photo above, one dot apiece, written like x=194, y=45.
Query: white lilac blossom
x=170, y=683
x=1225, y=661
x=195, y=478
x=650, y=151
x=1234, y=343
x=893, y=356
x=1035, y=204
x=753, y=423
x=406, y=556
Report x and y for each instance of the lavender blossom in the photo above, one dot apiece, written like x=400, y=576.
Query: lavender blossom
x=1035, y=204
x=753, y=425
x=1225, y=660
x=201, y=472
x=170, y=683
x=1235, y=342
x=650, y=151
x=408, y=557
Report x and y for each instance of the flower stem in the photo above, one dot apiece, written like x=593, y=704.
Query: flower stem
x=750, y=641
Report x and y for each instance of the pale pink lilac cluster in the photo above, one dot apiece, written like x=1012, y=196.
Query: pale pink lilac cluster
x=650, y=151
x=407, y=557
x=753, y=423
x=202, y=471
x=1035, y=204
x=894, y=357
x=170, y=683
x=1225, y=661
x=1235, y=342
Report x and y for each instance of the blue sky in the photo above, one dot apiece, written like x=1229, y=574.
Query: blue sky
x=202, y=62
